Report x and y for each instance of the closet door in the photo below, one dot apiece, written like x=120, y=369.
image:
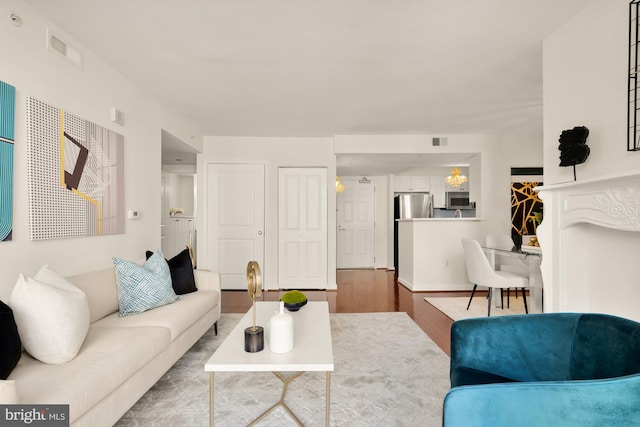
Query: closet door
x=235, y=214
x=302, y=228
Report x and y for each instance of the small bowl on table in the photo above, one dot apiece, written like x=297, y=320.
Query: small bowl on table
x=294, y=300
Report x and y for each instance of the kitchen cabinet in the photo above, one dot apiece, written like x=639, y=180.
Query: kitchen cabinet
x=409, y=183
x=437, y=189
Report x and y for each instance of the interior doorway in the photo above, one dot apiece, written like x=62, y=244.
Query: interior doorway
x=355, y=220
x=178, y=228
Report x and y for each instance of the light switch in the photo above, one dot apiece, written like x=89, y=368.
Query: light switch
x=133, y=214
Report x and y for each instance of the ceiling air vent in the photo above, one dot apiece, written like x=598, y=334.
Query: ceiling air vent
x=57, y=45
x=439, y=141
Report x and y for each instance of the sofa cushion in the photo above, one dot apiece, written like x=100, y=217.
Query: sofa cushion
x=100, y=288
x=108, y=358
x=10, y=345
x=181, y=269
x=177, y=317
x=8, y=392
x=52, y=316
x=141, y=288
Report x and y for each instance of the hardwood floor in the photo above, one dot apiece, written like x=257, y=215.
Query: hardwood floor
x=367, y=291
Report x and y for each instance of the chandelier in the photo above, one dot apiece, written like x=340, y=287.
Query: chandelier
x=339, y=185
x=455, y=179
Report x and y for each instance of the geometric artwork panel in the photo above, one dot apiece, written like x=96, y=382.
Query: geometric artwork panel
x=7, y=139
x=75, y=175
x=525, y=204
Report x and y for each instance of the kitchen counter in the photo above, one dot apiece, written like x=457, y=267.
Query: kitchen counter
x=430, y=255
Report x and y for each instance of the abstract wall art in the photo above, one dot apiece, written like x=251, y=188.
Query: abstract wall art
x=75, y=175
x=526, y=207
x=7, y=139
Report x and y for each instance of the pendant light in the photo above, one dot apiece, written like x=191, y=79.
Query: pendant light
x=455, y=179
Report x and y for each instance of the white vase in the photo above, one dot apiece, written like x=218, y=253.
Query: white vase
x=281, y=331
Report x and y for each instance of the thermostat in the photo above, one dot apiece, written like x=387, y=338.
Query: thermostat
x=133, y=214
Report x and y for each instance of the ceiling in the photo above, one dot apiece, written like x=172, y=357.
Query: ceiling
x=176, y=152
x=325, y=68
x=330, y=67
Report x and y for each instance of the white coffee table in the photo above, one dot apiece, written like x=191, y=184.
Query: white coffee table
x=312, y=351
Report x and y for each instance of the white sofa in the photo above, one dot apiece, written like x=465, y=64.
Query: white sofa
x=121, y=357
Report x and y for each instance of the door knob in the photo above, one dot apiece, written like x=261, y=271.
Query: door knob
x=260, y=233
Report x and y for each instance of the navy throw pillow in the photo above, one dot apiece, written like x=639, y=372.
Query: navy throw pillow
x=10, y=345
x=182, y=278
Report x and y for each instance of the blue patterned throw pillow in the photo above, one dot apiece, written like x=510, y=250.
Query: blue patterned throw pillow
x=143, y=287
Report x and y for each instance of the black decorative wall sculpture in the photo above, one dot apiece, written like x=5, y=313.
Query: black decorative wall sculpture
x=573, y=147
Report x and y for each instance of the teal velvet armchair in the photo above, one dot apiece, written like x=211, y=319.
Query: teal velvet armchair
x=554, y=369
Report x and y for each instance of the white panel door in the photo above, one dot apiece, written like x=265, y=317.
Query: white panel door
x=356, y=225
x=302, y=228
x=235, y=213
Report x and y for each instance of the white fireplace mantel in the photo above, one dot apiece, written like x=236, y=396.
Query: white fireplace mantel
x=590, y=240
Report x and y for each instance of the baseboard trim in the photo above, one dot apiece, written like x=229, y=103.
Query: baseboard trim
x=422, y=287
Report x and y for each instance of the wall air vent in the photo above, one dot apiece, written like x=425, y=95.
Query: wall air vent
x=439, y=141
x=117, y=116
x=57, y=45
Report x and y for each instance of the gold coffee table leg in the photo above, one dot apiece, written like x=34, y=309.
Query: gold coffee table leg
x=281, y=402
x=211, y=399
x=328, y=403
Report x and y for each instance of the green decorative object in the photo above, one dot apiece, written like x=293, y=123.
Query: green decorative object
x=294, y=300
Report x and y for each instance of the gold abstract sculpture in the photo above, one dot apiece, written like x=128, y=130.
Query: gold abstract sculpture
x=254, y=286
x=254, y=335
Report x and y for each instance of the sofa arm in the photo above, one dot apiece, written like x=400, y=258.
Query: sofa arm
x=611, y=402
x=521, y=348
x=207, y=280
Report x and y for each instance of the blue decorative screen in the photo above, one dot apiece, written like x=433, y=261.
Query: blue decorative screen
x=7, y=128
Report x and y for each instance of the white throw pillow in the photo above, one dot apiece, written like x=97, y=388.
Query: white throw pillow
x=52, y=316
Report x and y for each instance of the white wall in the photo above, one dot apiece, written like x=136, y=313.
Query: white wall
x=585, y=83
x=89, y=92
x=490, y=171
x=273, y=153
x=181, y=192
x=509, y=151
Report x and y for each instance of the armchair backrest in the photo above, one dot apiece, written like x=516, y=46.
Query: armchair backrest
x=547, y=347
x=605, y=346
x=533, y=347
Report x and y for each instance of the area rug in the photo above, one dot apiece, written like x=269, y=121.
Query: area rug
x=387, y=372
x=456, y=307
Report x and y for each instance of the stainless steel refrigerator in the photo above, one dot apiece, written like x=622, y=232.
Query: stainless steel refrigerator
x=406, y=206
